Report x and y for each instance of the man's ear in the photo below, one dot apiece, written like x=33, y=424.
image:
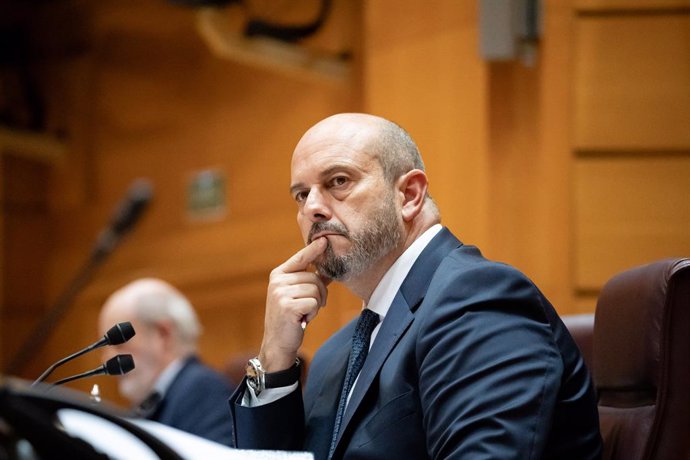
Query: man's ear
x=413, y=186
x=166, y=331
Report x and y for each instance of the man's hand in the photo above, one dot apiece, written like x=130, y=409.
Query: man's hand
x=294, y=295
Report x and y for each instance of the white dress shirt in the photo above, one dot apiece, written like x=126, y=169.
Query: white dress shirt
x=165, y=379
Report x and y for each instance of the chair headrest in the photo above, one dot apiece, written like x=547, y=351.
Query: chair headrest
x=634, y=334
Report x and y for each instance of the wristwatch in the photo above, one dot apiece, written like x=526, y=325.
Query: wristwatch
x=258, y=379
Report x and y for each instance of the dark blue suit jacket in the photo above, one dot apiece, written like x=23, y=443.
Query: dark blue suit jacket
x=196, y=402
x=471, y=362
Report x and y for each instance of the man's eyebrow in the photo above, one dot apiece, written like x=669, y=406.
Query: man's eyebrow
x=322, y=175
x=295, y=187
x=333, y=169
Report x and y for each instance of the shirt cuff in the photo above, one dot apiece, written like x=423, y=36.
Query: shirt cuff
x=269, y=395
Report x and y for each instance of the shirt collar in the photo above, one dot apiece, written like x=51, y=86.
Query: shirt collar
x=167, y=376
x=382, y=297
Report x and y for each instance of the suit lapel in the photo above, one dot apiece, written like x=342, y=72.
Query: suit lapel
x=399, y=316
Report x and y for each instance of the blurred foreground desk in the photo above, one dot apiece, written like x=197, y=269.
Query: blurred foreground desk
x=56, y=423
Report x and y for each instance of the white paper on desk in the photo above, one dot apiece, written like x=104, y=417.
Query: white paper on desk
x=104, y=436
x=119, y=443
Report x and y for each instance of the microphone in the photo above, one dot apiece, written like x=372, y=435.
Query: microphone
x=126, y=215
x=118, y=365
x=116, y=335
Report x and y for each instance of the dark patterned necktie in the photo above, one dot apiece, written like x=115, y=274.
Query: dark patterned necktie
x=360, y=347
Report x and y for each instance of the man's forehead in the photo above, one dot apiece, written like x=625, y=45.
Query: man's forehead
x=353, y=130
x=116, y=309
x=344, y=121
x=347, y=147
x=338, y=142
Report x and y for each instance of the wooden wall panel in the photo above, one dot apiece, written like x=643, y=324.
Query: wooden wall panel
x=631, y=140
x=630, y=5
x=629, y=211
x=632, y=82
x=26, y=244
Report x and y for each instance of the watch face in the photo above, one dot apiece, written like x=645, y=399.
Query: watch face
x=253, y=377
x=251, y=372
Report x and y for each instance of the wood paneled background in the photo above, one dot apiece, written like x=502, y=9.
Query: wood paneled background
x=571, y=169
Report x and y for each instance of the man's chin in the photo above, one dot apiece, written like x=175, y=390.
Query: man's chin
x=132, y=393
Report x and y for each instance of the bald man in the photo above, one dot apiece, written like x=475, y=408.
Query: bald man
x=169, y=384
x=453, y=356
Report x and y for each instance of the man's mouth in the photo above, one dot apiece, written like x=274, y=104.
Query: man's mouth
x=324, y=234
x=322, y=229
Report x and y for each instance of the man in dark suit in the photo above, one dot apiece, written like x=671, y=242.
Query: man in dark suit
x=454, y=356
x=169, y=384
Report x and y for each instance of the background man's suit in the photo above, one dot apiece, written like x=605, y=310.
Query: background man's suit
x=196, y=402
x=471, y=362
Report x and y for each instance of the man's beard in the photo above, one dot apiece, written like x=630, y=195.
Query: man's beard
x=368, y=246
x=137, y=385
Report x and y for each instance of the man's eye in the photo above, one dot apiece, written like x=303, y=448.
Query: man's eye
x=339, y=180
x=300, y=196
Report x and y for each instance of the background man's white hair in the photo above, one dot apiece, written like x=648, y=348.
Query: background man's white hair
x=156, y=301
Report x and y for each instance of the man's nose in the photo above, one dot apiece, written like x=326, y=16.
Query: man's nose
x=316, y=206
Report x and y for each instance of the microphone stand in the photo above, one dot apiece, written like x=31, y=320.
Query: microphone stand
x=118, y=365
x=48, y=371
